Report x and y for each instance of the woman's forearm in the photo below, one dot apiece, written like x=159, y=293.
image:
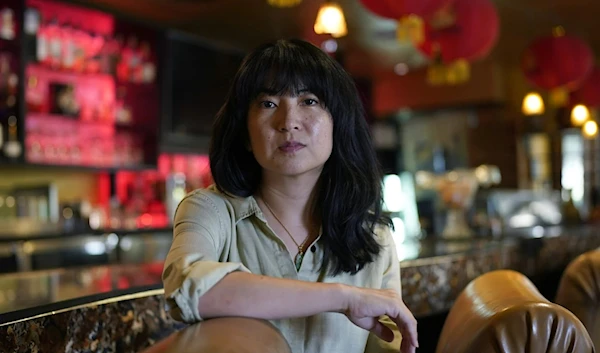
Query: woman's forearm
x=262, y=297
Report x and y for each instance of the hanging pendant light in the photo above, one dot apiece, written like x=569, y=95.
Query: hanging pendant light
x=590, y=129
x=284, y=3
x=331, y=20
x=533, y=104
x=579, y=115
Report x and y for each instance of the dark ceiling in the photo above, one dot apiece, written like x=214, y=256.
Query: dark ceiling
x=247, y=23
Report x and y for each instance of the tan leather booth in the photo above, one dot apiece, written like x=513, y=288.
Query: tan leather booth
x=579, y=291
x=498, y=312
x=502, y=311
x=224, y=335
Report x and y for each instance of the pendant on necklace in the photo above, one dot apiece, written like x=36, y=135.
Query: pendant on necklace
x=298, y=260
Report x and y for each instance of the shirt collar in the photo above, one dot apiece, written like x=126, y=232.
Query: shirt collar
x=243, y=207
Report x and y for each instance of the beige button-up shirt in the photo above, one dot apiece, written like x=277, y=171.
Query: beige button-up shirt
x=215, y=235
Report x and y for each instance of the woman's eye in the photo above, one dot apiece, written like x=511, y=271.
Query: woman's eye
x=310, y=101
x=267, y=104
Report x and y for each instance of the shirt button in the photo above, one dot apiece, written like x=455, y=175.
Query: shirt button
x=313, y=248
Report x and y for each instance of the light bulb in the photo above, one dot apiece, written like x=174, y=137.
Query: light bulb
x=579, y=115
x=533, y=104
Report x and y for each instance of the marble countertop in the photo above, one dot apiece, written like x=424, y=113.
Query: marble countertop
x=27, y=294
x=25, y=230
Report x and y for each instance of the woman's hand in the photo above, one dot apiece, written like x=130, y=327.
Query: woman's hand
x=365, y=306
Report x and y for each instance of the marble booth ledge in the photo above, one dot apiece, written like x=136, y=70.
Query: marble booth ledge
x=431, y=284
x=431, y=280
x=123, y=324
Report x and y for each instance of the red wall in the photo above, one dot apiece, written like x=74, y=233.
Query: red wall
x=392, y=92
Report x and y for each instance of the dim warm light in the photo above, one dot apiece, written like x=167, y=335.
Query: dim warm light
x=533, y=104
x=284, y=3
x=331, y=20
x=579, y=115
x=590, y=129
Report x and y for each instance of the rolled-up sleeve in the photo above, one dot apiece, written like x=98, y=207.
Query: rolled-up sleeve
x=192, y=266
x=391, y=280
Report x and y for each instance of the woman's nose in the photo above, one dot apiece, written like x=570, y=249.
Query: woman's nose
x=289, y=120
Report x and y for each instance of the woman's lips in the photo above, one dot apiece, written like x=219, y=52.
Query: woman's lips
x=292, y=146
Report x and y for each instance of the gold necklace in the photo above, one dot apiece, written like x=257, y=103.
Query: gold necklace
x=300, y=254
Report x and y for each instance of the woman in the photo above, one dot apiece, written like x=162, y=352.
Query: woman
x=292, y=232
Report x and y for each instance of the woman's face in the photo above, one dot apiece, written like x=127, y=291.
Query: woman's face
x=290, y=134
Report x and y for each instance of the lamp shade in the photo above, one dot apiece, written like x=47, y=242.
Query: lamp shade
x=579, y=115
x=590, y=129
x=533, y=104
x=331, y=20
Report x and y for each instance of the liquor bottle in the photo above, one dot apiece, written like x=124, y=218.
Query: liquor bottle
x=132, y=56
x=8, y=85
x=82, y=40
x=68, y=46
x=8, y=27
x=114, y=54
x=124, y=64
x=122, y=110
x=569, y=210
x=148, y=68
x=12, y=147
x=32, y=21
x=5, y=73
x=42, y=43
x=55, y=44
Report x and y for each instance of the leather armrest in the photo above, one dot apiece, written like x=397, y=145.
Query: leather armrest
x=224, y=335
x=579, y=291
x=502, y=311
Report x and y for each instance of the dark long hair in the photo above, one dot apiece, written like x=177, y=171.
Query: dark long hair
x=349, y=196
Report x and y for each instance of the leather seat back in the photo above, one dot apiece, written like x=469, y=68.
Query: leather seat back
x=224, y=335
x=579, y=291
x=502, y=311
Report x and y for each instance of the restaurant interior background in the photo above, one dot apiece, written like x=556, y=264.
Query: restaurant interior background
x=483, y=113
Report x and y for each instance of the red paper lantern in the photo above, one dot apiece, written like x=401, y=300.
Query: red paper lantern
x=589, y=91
x=557, y=62
x=396, y=9
x=471, y=37
x=380, y=8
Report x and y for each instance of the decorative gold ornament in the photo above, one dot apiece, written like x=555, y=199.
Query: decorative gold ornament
x=284, y=3
x=436, y=74
x=559, y=97
x=458, y=72
x=411, y=29
x=455, y=73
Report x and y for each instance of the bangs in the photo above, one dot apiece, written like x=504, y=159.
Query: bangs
x=286, y=68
